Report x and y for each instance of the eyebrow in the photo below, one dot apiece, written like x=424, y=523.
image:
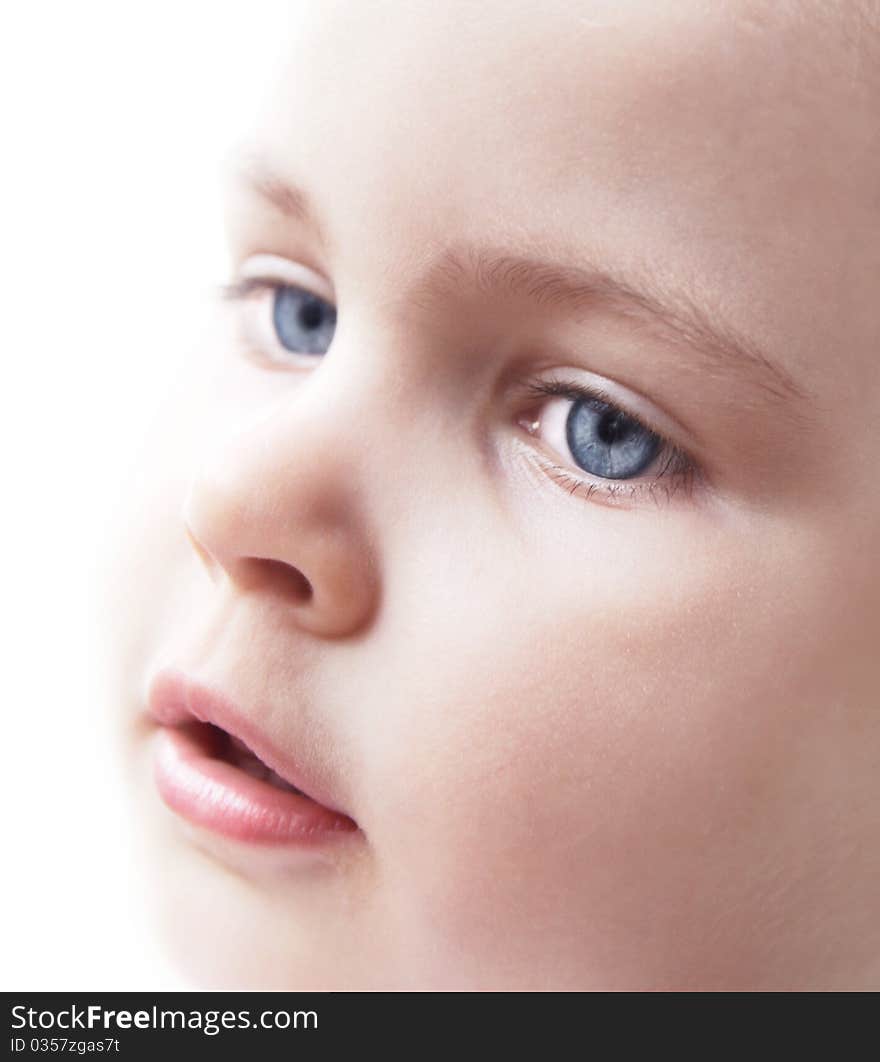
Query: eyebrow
x=248, y=168
x=677, y=317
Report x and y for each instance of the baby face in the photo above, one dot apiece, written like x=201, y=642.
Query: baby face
x=522, y=513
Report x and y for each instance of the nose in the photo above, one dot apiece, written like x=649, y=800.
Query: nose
x=277, y=509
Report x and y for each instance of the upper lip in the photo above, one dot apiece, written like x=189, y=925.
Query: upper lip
x=175, y=699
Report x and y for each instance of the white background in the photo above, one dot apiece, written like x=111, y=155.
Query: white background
x=115, y=117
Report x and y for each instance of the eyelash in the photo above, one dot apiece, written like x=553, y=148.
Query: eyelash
x=240, y=289
x=243, y=288
x=678, y=473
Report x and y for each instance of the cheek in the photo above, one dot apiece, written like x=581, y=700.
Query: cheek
x=593, y=763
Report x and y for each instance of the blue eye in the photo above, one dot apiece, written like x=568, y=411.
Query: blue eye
x=304, y=323
x=607, y=442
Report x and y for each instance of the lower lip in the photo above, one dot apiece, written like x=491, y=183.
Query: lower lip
x=220, y=797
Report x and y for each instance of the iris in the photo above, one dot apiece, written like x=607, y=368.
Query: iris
x=304, y=323
x=607, y=442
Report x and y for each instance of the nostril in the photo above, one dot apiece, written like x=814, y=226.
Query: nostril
x=259, y=572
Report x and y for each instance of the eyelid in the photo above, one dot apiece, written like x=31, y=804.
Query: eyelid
x=677, y=468
x=682, y=480
x=284, y=271
x=257, y=282
x=615, y=394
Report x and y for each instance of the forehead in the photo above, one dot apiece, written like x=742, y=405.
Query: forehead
x=731, y=144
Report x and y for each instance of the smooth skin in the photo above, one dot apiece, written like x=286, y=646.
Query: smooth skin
x=592, y=740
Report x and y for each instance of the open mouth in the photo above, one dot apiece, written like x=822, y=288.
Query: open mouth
x=232, y=750
x=215, y=779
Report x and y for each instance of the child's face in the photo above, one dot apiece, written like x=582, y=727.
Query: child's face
x=603, y=707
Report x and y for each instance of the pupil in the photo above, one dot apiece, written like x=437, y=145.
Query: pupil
x=611, y=427
x=310, y=315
